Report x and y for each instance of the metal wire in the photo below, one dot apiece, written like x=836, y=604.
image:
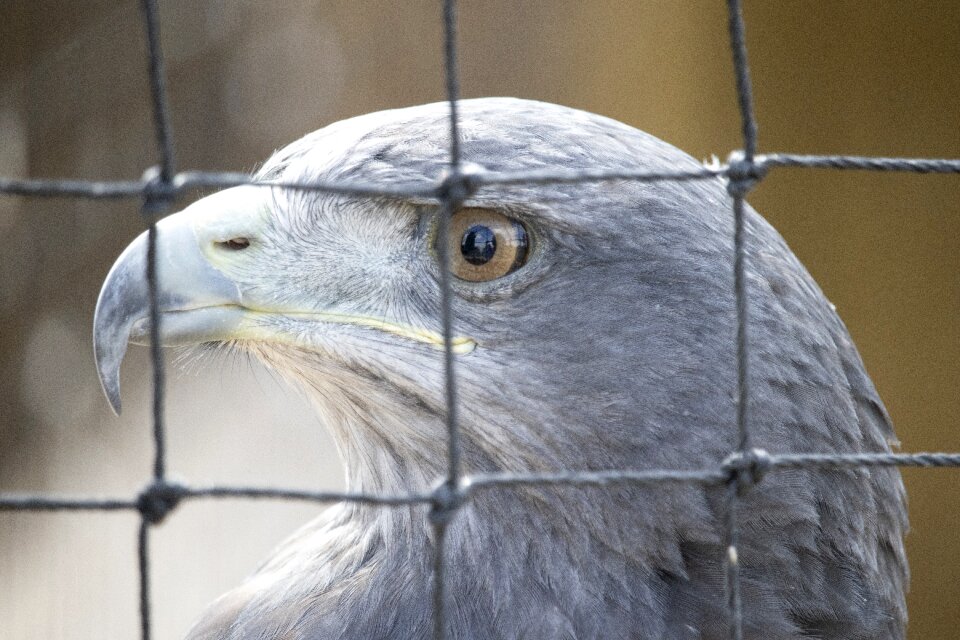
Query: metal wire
x=183, y=182
x=453, y=192
x=470, y=484
x=742, y=470
x=155, y=202
x=738, y=185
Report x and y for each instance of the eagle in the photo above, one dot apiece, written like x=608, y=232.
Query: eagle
x=593, y=329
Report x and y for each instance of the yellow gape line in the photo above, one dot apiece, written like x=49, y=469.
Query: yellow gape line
x=461, y=344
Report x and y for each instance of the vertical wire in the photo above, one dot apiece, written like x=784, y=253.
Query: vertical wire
x=734, y=597
x=742, y=313
x=143, y=562
x=440, y=523
x=749, y=126
x=158, y=92
x=153, y=205
x=439, y=588
x=741, y=69
x=452, y=76
x=447, y=209
x=451, y=201
x=450, y=204
x=745, y=98
x=159, y=378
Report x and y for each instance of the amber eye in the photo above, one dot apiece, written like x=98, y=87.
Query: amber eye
x=485, y=245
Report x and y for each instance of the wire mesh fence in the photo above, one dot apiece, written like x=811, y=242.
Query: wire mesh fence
x=161, y=187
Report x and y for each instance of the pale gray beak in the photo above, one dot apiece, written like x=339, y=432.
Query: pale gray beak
x=198, y=302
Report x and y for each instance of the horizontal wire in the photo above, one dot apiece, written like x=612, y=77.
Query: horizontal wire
x=592, y=478
x=68, y=188
x=29, y=502
x=182, y=182
x=863, y=163
x=557, y=176
x=853, y=460
x=193, y=179
x=119, y=189
x=307, y=496
x=486, y=481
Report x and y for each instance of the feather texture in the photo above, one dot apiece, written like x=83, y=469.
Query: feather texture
x=613, y=348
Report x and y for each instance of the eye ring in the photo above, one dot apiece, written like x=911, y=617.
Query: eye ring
x=484, y=244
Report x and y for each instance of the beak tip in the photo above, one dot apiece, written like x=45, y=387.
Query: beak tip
x=110, y=384
x=113, y=397
x=115, y=408
x=107, y=357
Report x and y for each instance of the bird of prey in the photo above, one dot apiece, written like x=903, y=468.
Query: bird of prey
x=594, y=329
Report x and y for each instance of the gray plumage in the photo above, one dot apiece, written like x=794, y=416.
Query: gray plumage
x=612, y=348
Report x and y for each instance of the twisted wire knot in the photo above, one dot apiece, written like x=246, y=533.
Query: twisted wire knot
x=158, y=194
x=459, y=182
x=158, y=500
x=747, y=468
x=445, y=501
x=743, y=174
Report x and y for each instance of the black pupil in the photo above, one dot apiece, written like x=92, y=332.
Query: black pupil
x=478, y=244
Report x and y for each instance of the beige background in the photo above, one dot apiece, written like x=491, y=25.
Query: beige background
x=247, y=77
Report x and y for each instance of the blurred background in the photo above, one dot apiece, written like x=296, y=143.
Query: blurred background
x=245, y=78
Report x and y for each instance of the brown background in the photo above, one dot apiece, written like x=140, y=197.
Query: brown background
x=245, y=78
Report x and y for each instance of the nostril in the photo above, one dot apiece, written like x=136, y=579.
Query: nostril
x=234, y=244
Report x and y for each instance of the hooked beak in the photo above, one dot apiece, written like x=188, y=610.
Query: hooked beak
x=198, y=302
